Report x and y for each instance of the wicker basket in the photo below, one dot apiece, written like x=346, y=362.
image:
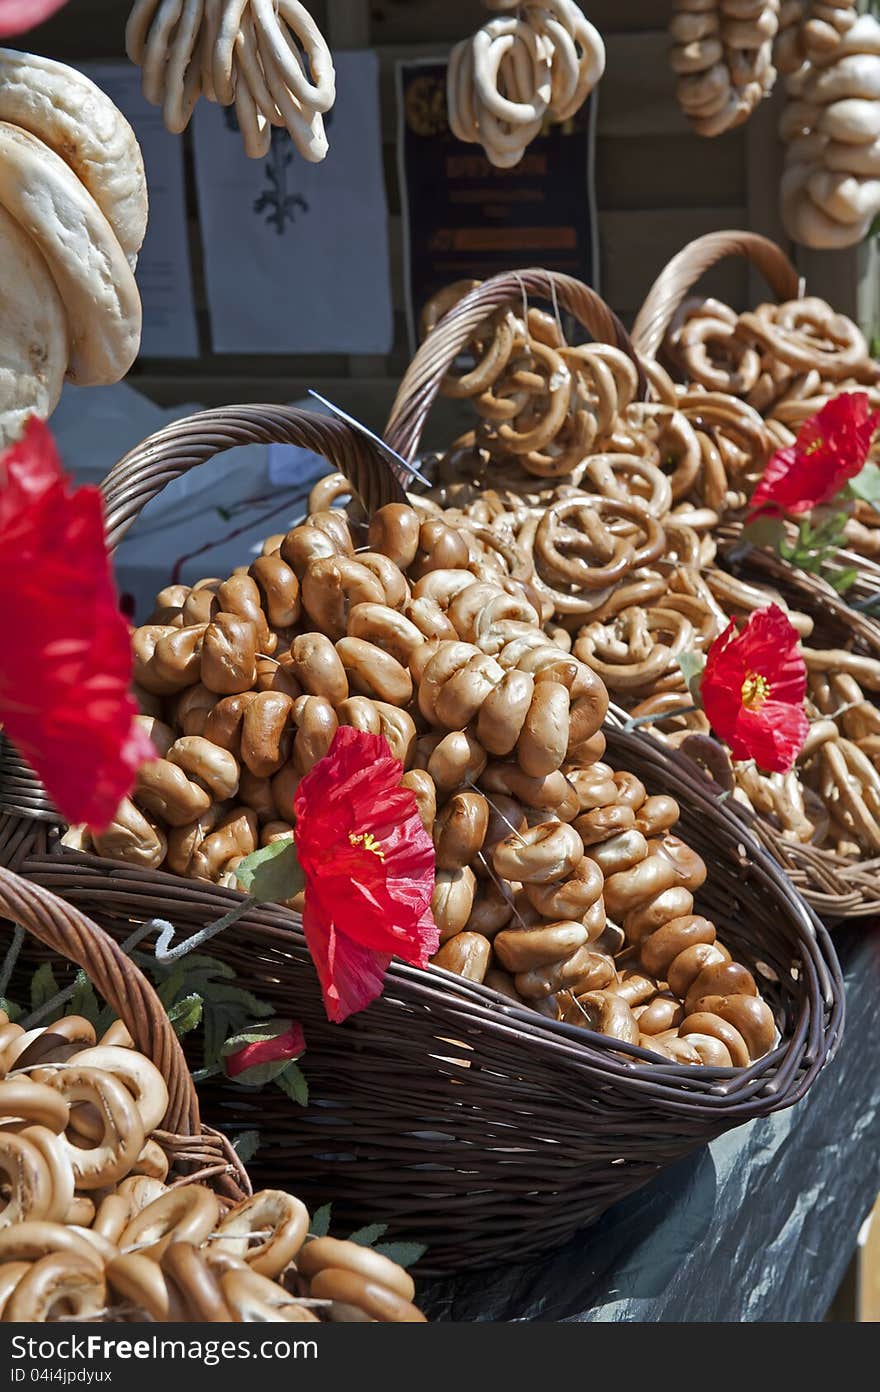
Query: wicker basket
x=836, y=887
x=196, y=1153
x=480, y=1128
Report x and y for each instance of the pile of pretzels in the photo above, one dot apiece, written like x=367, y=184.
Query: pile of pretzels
x=722, y=54
x=830, y=192
x=621, y=546
x=91, y=1231
x=538, y=63
x=553, y=869
x=267, y=58
x=73, y=214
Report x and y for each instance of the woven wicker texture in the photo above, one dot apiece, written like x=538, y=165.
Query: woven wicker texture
x=837, y=888
x=482, y=1129
x=421, y=383
x=195, y=1153
x=692, y=262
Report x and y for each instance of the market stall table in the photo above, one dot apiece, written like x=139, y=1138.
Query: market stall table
x=758, y=1226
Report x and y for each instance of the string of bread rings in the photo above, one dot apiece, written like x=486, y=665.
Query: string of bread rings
x=518, y=70
x=93, y=1228
x=267, y=58
x=722, y=54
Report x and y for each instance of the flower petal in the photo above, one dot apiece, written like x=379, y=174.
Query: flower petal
x=17, y=16
x=351, y=976
x=64, y=678
x=831, y=448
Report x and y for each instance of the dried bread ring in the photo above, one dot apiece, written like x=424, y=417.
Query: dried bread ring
x=72, y=116
x=85, y=259
x=33, y=328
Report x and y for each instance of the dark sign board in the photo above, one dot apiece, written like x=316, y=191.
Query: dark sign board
x=463, y=218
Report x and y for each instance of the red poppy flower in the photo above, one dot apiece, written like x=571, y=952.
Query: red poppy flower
x=369, y=868
x=17, y=16
x=830, y=449
x=65, y=663
x=753, y=690
x=274, y=1049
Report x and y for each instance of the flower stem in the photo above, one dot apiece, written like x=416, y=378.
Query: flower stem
x=635, y=721
x=165, y=953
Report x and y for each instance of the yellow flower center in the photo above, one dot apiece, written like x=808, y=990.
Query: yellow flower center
x=755, y=691
x=368, y=841
x=815, y=445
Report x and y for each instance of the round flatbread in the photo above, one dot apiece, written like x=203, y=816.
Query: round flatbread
x=33, y=333
x=80, y=123
x=83, y=255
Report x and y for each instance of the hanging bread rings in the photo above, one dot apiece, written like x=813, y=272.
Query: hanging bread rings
x=268, y=58
x=519, y=69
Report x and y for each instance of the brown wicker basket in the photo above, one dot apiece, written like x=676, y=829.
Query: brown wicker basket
x=196, y=1153
x=684, y=270
x=837, y=888
x=479, y=1128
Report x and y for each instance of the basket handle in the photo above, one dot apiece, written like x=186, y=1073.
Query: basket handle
x=185, y=444
x=123, y=986
x=421, y=382
x=685, y=269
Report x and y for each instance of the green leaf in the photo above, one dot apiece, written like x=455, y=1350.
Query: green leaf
x=84, y=1001
x=186, y=1014
x=320, y=1224
x=866, y=485
x=13, y=1011
x=366, y=1237
x=843, y=580
x=292, y=1081
x=272, y=873
x=764, y=530
x=246, y=1145
x=261, y=1073
x=692, y=665
x=404, y=1253
x=43, y=986
x=248, y=1036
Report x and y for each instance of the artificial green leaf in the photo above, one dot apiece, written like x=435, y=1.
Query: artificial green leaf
x=764, y=530
x=273, y=873
x=404, y=1253
x=186, y=1014
x=292, y=1081
x=84, y=1001
x=866, y=485
x=366, y=1237
x=261, y=1073
x=692, y=665
x=43, y=986
x=12, y=1010
x=843, y=580
x=246, y=1145
x=320, y=1224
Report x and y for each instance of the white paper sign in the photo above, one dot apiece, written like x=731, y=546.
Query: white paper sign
x=163, y=272
x=296, y=254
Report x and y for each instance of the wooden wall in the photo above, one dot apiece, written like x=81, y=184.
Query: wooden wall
x=657, y=186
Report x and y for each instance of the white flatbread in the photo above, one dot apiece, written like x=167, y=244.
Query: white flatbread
x=82, y=252
x=80, y=123
x=33, y=333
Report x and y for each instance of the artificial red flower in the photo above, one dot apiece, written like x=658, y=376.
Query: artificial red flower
x=65, y=663
x=830, y=449
x=289, y=1045
x=369, y=869
x=17, y=16
x=753, y=690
